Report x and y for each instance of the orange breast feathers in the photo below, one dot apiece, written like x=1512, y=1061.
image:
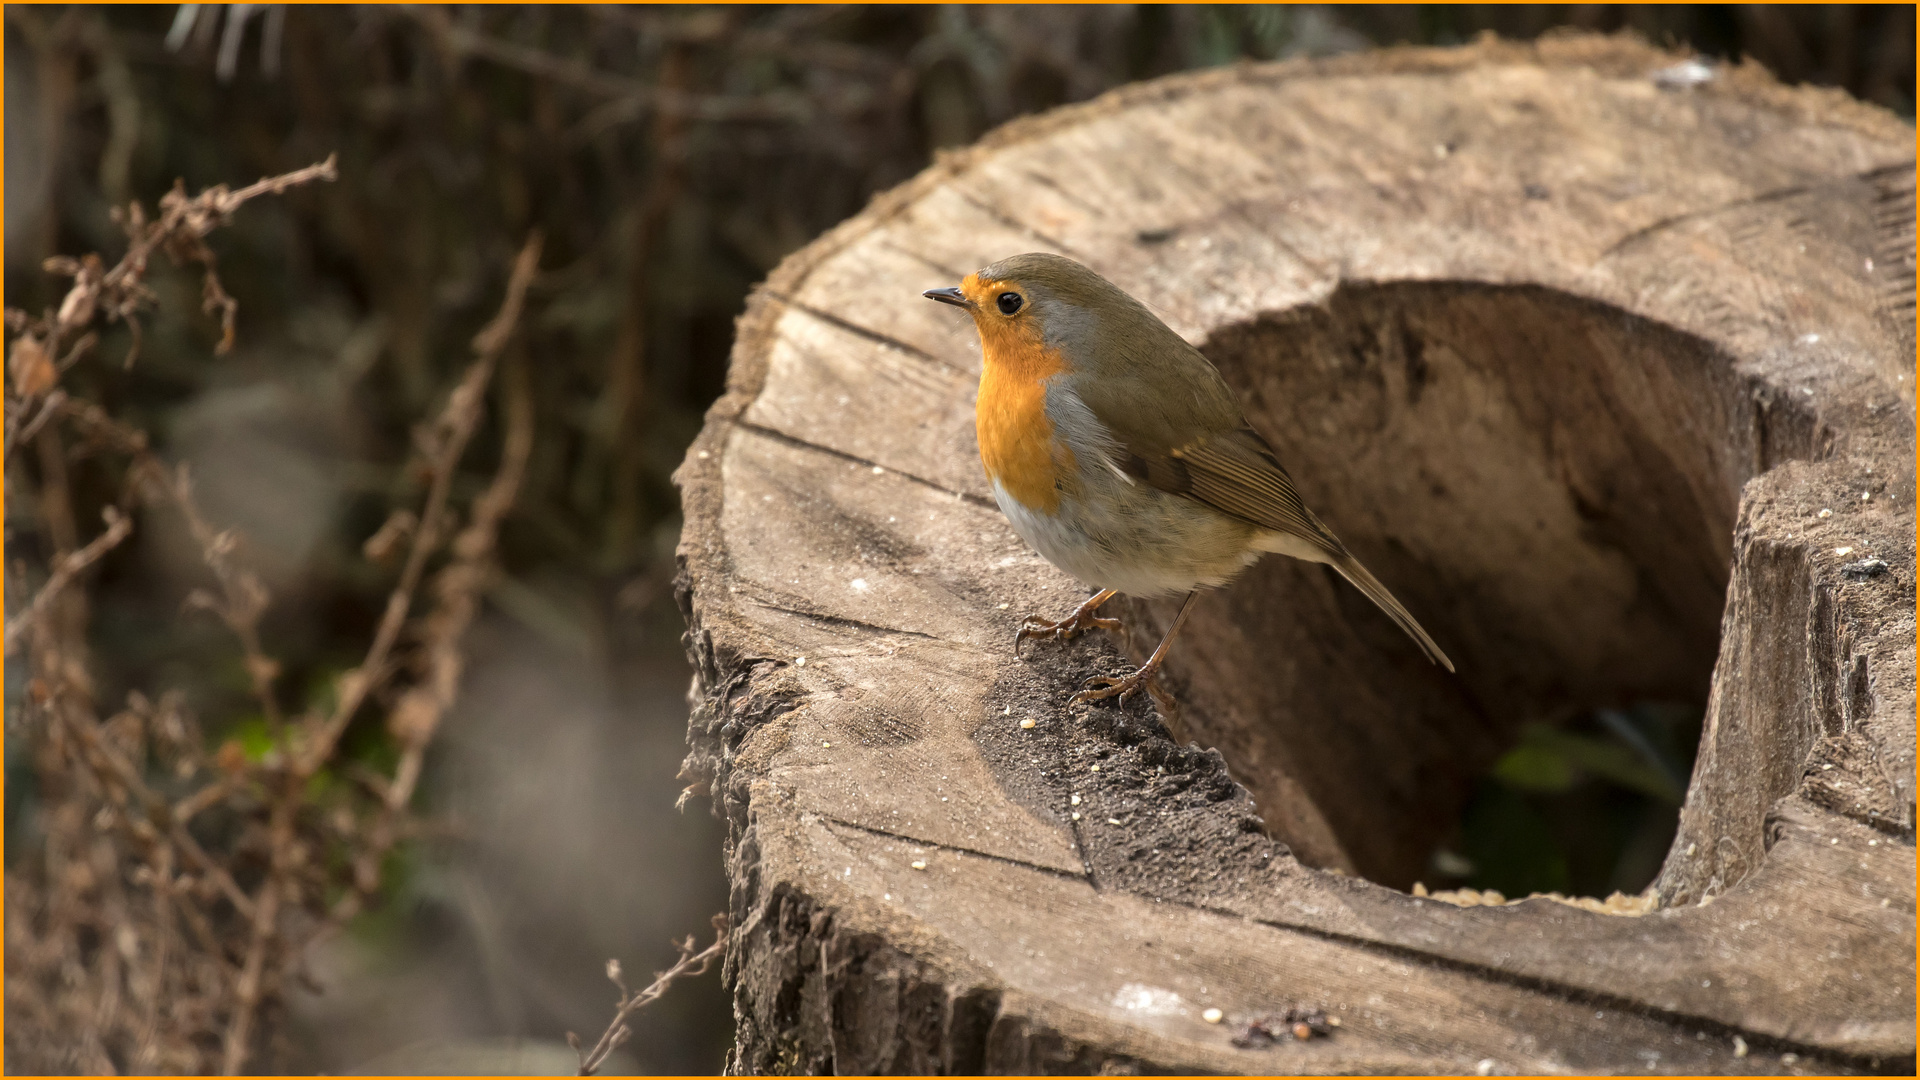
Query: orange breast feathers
x=1016, y=438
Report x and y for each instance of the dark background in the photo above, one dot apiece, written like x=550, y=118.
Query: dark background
x=671, y=157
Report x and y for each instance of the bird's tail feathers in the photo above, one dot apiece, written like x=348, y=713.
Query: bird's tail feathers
x=1351, y=569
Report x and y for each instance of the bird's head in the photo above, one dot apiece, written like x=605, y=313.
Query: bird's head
x=1045, y=300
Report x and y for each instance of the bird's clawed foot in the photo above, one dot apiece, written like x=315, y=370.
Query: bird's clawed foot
x=1065, y=630
x=1082, y=620
x=1101, y=687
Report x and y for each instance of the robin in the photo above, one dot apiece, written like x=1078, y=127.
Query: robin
x=1120, y=454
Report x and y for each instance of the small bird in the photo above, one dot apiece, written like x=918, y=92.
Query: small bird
x=1121, y=455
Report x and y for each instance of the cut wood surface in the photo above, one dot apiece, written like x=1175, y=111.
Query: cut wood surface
x=1608, y=376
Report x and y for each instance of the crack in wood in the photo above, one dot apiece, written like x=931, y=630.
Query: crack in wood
x=876, y=336
x=1885, y=826
x=798, y=442
x=874, y=830
x=1560, y=991
x=842, y=620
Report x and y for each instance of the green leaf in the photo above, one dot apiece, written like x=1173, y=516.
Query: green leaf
x=1608, y=760
x=1534, y=767
x=254, y=735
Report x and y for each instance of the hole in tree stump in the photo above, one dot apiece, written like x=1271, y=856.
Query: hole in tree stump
x=1548, y=483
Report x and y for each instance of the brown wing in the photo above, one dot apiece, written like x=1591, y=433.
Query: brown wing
x=1182, y=430
x=1236, y=473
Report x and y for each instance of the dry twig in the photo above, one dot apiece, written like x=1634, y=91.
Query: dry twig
x=457, y=590
x=120, y=293
x=119, y=527
x=617, y=1033
x=244, y=597
x=443, y=442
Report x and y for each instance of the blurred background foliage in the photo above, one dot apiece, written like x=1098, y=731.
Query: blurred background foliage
x=1584, y=807
x=671, y=156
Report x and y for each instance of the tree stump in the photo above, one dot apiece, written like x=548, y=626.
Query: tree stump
x=1603, y=364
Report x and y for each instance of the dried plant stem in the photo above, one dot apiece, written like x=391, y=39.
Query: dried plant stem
x=417, y=715
x=265, y=930
x=65, y=570
x=457, y=590
x=229, y=201
x=245, y=598
x=446, y=441
x=19, y=431
x=81, y=724
x=146, y=1050
x=213, y=794
x=121, y=292
x=690, y=963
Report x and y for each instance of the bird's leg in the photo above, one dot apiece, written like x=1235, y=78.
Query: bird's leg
x=1081, y=621
x=1125, y=686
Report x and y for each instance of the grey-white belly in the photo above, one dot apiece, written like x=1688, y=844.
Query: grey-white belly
x=1137, y=539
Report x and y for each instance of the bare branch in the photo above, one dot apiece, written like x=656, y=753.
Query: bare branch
x=277, y=185
x=19, y=432
x=116, y=826
x=104, y=765
x=119, y=527
x=266, y=914
x=245, y=596
x=446, y=441
x=457, y=589
x=120, y=293
x=689, y=964
x=109, y=761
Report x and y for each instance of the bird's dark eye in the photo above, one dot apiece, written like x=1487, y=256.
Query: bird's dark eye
x=1009, y=302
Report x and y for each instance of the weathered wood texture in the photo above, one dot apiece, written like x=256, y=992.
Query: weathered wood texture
x=1573, y=360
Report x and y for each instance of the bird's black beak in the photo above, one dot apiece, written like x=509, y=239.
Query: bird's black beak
x=948, y=295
